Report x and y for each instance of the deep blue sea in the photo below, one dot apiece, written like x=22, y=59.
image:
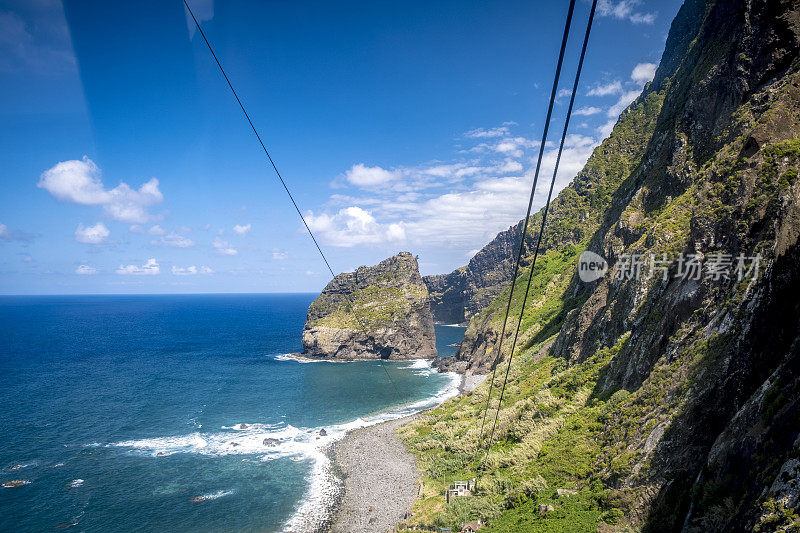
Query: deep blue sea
x=150, y=413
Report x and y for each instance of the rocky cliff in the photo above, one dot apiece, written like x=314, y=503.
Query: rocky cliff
x=457, y=296
x=375, y=312
x=666, y=394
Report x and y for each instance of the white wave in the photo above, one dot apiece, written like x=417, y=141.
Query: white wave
x=418, y=363
x=212, y=496
x=274, y=441
x=75, y=483
x=20, y=466
x=291, y=357
x=450, y=325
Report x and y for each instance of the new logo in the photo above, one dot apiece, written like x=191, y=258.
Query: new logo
x=591, y=267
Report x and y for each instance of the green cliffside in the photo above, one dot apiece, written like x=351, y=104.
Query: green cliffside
x=375, y=312
x=666, y=404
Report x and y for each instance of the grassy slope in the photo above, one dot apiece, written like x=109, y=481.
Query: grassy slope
x=558, y=428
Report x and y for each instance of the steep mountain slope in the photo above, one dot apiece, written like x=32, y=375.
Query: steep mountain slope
x=379, y=311
x=667, y=402
x=457, y=296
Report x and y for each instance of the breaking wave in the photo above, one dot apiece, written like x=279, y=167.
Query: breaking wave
x=269, y=442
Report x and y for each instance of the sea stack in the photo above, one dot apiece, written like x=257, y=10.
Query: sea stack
x=381, y=311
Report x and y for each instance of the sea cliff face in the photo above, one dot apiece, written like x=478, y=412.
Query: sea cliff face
x=668, y=400
x=375, y=312
x=458, y=296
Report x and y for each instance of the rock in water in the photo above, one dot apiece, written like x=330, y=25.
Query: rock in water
x=375, y=312
x=15, y=483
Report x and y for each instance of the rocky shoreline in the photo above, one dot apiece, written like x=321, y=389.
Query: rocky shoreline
x=381, y=480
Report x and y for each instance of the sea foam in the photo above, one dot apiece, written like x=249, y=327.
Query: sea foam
x=268, y=442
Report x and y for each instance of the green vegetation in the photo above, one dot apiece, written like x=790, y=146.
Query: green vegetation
x=370, y=307
x=569, y=423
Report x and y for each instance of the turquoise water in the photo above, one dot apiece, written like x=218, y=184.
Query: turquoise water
x=149, y=413
x=446, y=336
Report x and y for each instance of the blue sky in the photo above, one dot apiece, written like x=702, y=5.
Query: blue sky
x=127, y=166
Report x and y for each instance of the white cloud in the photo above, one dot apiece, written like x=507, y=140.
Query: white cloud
x=224, y=247
x=486, y=197
x=279, y=255
x=625, y=10
x=624, y=101
x=364, y=176
x=5, y=233
x=614, y=87
x=481, y=133
x=457, y=205
x=353, y=225
x=604, y=130
x=513, y=146
x=643, y=18
x=78, y=181
x=242, y=230
x=96, y=234
x=86, y=270
x=174, y=240
x=190, y=270
x=643, y=72
x=562, y=93
x=587, y=111
x=156, y=230
x=149, y=268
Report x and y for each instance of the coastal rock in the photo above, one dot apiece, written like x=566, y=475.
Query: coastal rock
x=323, y=433
x=375, y=312
x=271, y=442
x=15, y=483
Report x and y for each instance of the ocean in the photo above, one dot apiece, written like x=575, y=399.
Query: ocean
x=179, y=413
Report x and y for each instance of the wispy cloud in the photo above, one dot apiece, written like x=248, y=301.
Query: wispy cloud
x=625, y=10
x=614, y=87
x=587, y=111
x=7, y=235
x=483, y=133
x=86, y=270
x=460, y=203
x=173, y=240
x=190, y=270
x=224, y=247
x=149, y=268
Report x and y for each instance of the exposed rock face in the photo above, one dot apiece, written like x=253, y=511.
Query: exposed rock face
x=459, y=295
x=375, y=312
x=696, y=376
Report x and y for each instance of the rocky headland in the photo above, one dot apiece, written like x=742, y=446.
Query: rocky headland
x=381, y=311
